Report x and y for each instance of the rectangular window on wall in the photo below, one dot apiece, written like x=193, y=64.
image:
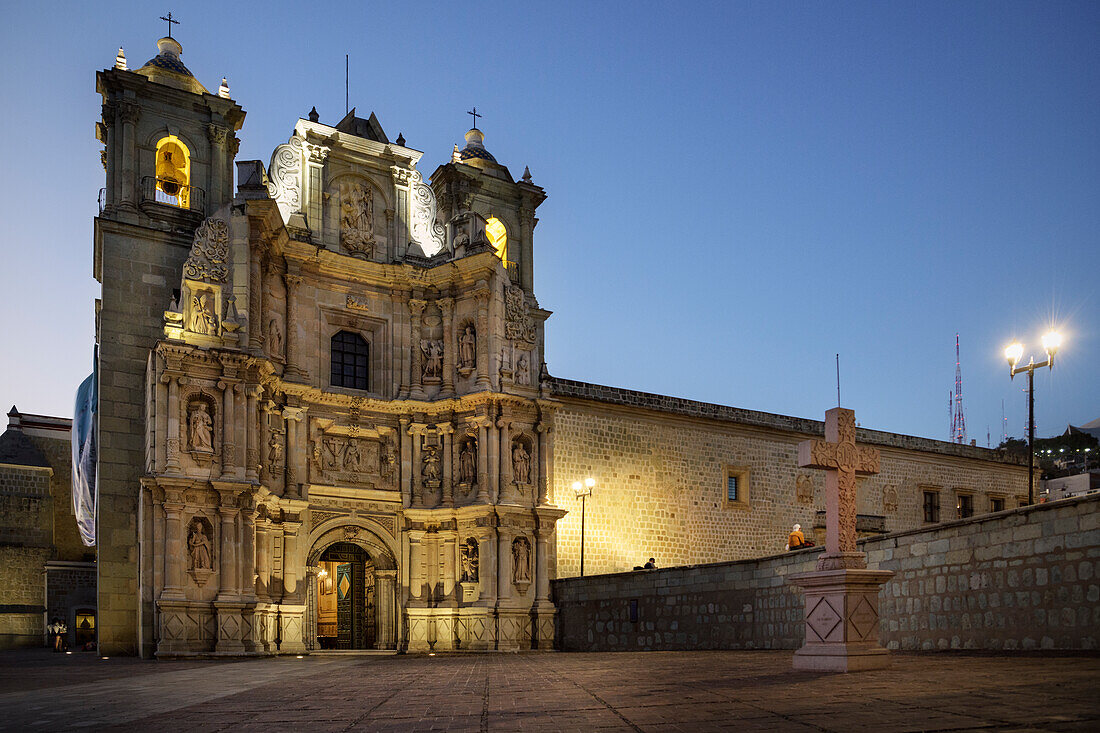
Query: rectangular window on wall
x=931, y=507
x=965, y=506
x=737, y=487
x=996, y=504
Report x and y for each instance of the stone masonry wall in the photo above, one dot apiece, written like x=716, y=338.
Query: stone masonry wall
x=660, y=465
x=139, y=269
x=1019, y=579
x=23, y=598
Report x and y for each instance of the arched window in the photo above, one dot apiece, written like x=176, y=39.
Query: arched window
x=350, y=361
x=173, y=172
x=498, y=237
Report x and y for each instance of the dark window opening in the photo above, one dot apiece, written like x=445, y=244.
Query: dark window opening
x=996, y=505
x=966, y=506
x=931, y=506
x=350, y=361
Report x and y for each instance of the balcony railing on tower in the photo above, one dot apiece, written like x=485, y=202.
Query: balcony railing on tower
x=513, y=271
x=172, y=193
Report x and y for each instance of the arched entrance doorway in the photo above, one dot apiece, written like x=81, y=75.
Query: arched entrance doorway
x=346, y=617
x=351, y=600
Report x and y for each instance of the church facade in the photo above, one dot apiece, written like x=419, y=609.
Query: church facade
x=325, y=419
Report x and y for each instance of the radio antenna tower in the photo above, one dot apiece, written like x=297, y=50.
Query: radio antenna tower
x=958, y=421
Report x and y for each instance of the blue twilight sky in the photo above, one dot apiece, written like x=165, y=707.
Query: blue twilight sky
x=737, y=190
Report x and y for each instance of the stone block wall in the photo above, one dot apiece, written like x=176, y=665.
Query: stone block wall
x=661, y=463
x=24, y=591
x=139, y=267
x=1020, y=579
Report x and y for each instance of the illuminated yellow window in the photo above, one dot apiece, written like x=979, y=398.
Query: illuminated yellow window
x=498, y=237
x=173, y=172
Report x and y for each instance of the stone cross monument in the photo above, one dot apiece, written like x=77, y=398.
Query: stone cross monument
x=842, y=594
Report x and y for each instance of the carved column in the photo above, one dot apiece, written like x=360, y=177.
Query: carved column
x=545, y=439
x=290, y=560
x=385, y=608
x=240, y=428
x=416, y=565
x=173, y=547
x=293, y=367
x=255, y=289
x=227, y=552
x=487, y=572
x=504, y=564
x=263, y=559
x=416, y=311
x=450, y=582
x=130, y=113
x=252, y=432
x=446, y=430
x=542, y=567
x=247, y=582
x=505, y=492
x=227, y=428
x=218, y=165
x=270, y=271
x=417, y=431
x=482, y=459
x=527, y=223
x=400, y=348
x=447, y=306
x=482, y=382
x=494, y=457
x=173, y=456
x=406, y=462
x=295, y=451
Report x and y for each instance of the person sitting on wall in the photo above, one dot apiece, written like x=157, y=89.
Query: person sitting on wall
x=651, y=564
x=796, y=540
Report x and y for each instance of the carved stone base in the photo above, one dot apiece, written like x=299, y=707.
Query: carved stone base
x=842, y=620
x=842, y=561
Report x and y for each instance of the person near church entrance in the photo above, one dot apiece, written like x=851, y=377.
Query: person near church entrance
x=57, y=631
x=650, y=564
x=796, y=540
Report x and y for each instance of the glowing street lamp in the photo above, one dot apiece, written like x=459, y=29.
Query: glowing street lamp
x=1052, y=340
x=583, y=491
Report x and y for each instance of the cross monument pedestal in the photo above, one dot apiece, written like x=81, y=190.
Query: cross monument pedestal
x=842, y=594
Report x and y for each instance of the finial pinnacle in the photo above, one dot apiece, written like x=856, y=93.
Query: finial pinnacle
x=223, y=90
x=120, y=60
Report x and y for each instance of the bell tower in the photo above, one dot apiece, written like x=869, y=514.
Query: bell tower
x=169, y=146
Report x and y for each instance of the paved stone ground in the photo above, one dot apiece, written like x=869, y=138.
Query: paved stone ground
x=652, y=691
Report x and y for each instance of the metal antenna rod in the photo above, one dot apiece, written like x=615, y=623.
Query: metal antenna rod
x=347, y=69
x=838, y=380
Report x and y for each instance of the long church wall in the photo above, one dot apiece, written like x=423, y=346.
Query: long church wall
x=1018, y=579
x=661, y=463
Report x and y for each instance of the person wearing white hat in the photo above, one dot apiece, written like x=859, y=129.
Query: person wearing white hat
x=796, y=540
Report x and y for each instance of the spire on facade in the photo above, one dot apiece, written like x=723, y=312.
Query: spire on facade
x=223, y=90
x=400, y=139
x=455, y=157
x=313, y=116
x=120, y=60
x=526, y=174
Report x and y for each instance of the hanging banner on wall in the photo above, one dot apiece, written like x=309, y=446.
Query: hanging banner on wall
x=84, y=454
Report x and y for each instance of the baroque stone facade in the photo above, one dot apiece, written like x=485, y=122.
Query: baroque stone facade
x=325, y=417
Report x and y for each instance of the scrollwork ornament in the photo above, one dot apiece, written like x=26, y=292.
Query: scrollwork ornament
x=209, y=253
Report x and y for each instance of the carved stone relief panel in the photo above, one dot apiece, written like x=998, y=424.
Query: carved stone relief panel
x=351, y=455
x=357, y=219
x=470, y=560
x=804, y=489
x=889, y=499
x=518, y=324
x=424, y=229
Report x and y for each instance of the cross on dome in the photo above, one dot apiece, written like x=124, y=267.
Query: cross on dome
x=171, y=22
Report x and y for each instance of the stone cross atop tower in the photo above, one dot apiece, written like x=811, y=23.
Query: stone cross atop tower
x=843, y=460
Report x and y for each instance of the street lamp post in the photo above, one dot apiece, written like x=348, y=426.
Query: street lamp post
x=1014, y=352
x=583, y=491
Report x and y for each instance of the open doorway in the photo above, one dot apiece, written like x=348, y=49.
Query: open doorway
x=346, y=598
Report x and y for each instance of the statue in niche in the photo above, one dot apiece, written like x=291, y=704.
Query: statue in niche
x=433, y=357
x=274, y=337
x=430, y=472
x=521, y=561
x=467, y=348
x=521, y=464
x=198, y=544
x=387, y=460
x=331, y=451
x=462, y=239
x=523, y=370
x=469, y=561
x=202, y=313
x=200, y=428
x=274, y=450
x=357, y=219
x=352, y=456
x=467, y=463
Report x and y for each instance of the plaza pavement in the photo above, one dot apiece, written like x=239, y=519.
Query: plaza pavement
x=652, y=691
